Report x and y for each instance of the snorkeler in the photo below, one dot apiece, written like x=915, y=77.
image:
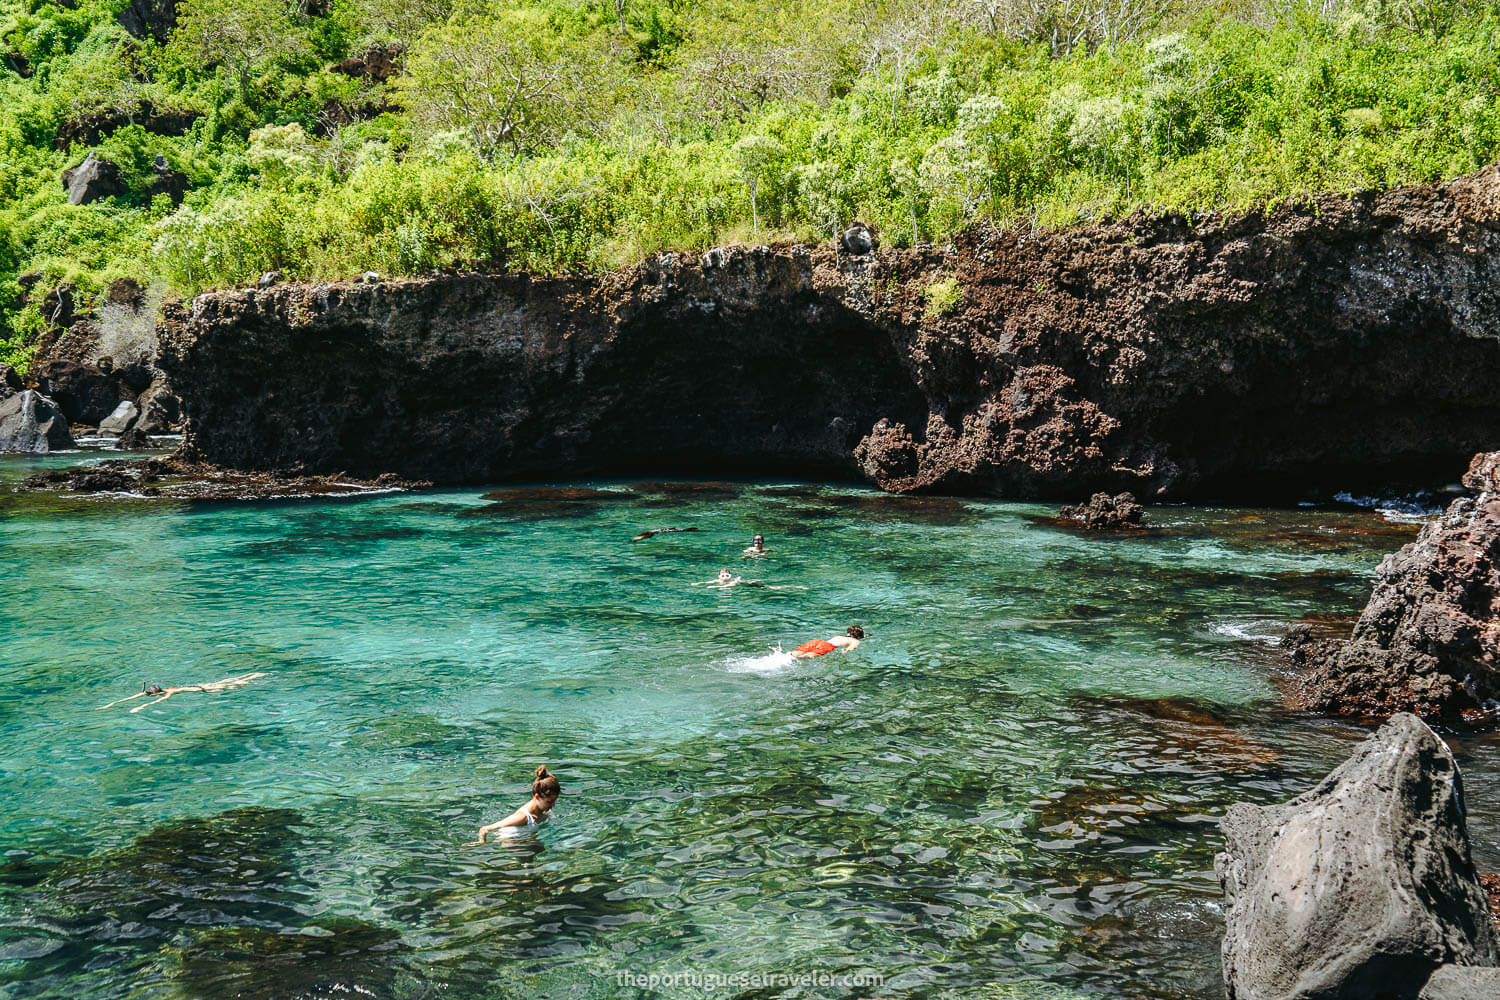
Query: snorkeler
x=757, y=547
x=545, y=788
x=161, y=694
x=658, y=531
x=724, y=579
x=851, y=638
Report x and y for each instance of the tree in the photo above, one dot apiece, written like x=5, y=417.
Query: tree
x=241, y=35
x=902, y=37
x=739, y=56
x=509, y=81
x=111, y=83
x=759, y=157
x=397, y=20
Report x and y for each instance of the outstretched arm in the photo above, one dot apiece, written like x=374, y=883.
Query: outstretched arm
x=124, y=700
x=170, y=693
x=516, y=818
x=485, y=831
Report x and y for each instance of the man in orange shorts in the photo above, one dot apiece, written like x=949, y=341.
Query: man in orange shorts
x=822, y=647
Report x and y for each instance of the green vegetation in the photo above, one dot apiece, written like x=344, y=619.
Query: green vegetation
x=567, y=134
x=943, y=296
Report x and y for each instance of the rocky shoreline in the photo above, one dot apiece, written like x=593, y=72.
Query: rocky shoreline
x=1428, y=641
x=1331, y=345
x=1343, y=343
x=95, y=375
x=173, y=478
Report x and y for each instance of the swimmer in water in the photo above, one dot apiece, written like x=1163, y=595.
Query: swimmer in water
x=757, y=547
x=545, y=788
x=161, y=694
x=851, y=638
x=724, y=579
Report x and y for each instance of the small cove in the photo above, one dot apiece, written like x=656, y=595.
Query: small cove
x=1010, y=789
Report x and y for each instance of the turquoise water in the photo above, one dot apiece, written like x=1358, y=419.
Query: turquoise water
x=1009, y=790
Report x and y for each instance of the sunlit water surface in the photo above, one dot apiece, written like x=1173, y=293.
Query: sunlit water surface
x=1010, y=790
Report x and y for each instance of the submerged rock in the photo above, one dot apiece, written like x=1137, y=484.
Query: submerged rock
x=326, y=957
x=1428, y=641
x=1361, y=887
x=237, y=865
x=1105, y=513
x=31, y=423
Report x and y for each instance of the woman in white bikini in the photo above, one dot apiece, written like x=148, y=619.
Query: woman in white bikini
x=545, y=789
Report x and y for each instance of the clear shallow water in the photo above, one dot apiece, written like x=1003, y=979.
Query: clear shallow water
x=1009, y=790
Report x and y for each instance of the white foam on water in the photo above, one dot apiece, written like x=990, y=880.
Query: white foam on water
x=1258, y=630
x=1415, y=509
x=766, y=663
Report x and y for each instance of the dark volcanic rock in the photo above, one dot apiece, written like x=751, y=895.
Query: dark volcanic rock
x=1428, y=641
x=150, y=18
x=491, y=378
x=10, y=382
x=85, y=394
x=31, y=423
x=91, y=180
x=1318, y=346
x=858, y=239
x=89, y=128
x=126, y=292
x=168, y=182
x=161, y=411
x=100, y=480
x=378, y=63
x=58, y=306
x=133, y=439
x=172, y=478
x=1105, y=513
x=1359, y=888
x=19, y=64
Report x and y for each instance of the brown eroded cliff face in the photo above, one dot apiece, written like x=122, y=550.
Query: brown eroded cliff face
x=1340, y=344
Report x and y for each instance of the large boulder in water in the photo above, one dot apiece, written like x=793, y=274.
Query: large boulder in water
x=1428, y=641
x=1105, y=513
x=31, y=423
x=1359, y=888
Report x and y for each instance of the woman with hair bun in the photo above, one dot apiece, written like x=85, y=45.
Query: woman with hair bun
x=545, y=788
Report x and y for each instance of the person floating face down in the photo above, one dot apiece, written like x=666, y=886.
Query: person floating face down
x=545, y=788
x=851, y=638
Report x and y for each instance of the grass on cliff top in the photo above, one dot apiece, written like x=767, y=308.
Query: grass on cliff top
x=680, y=124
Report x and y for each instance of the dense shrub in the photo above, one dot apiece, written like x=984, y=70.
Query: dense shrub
x=561, y=134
